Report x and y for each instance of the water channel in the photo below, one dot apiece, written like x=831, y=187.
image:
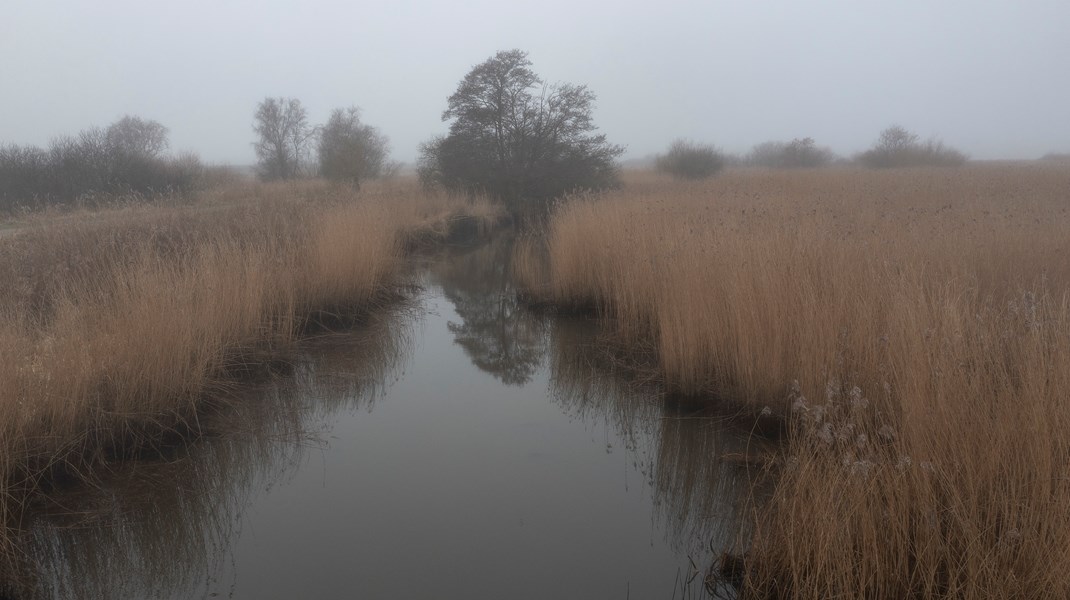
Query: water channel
x=461, y=447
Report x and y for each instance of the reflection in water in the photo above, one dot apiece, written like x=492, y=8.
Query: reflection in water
x=166, y=528
x=681, y=453
x=430, y=463
x=495, y=332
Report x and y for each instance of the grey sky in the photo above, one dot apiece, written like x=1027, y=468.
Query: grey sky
x=992, y=78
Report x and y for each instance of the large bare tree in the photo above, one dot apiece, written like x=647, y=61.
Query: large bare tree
x=285, y=138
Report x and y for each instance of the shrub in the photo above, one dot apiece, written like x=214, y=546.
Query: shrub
x=688, y=160
x=122, y=159
x=897, y=147
x=798, y=153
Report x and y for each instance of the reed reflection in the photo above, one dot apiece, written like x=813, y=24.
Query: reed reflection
x=165, y=527
x=687, y=454
x=689, y=457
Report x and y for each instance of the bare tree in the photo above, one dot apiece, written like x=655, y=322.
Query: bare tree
x=516, y=139
x=896, y=139
x=349, y=150
x=135, y=136
x=285, y=138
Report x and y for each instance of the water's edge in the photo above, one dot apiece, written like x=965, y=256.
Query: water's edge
x=466, y=448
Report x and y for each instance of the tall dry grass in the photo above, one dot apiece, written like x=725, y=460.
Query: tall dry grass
x=117, y=326
x=912, y=328
x=165, y=527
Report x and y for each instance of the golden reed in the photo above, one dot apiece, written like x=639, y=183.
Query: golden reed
x=911, y=327
x=117, y=325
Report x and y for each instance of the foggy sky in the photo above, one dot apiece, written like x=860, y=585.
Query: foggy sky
x=991, y=78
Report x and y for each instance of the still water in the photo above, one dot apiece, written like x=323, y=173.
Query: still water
x=461, y=448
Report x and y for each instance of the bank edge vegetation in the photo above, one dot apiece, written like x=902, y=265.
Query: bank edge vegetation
x=117, y=327
x=909, y=327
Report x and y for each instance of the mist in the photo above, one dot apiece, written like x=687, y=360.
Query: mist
x=988, y=78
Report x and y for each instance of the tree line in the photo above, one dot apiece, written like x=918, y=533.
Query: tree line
x=895, y=147
x=126, y=158
x=511, y=137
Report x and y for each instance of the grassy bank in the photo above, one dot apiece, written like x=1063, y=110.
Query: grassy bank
x=118, y=325
x=912, y=328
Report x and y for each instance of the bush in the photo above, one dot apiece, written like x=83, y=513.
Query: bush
x=897, y=147
x=689, y=160
x=796, y=154
x=122, y=159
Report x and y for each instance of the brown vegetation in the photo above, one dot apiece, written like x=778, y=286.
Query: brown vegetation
x=118, y=326
x=688, y=160
x=125, y=158
x=896, y=147
x=912, y=328
x=799, y=153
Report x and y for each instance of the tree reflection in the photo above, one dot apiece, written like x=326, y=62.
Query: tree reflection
x=689, y=458
x=495, y=332
x=166, y=528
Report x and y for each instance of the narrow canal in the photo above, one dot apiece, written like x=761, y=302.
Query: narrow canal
x=461, y=448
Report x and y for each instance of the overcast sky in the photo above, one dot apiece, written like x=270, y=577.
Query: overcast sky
x=992, y=78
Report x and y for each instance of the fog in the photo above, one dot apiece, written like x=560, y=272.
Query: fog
x=987, y=77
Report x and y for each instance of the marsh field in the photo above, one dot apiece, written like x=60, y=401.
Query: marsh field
x=773, y=383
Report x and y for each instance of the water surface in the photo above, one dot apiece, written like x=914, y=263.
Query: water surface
x=463, y=449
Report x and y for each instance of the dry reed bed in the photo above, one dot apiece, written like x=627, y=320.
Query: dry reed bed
x=116, y=327
x=913, y=329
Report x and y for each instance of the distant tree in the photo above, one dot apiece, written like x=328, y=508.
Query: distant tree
x=804, y=152
x=798, y=153
x=896, y=139
x=284, y=138
x=897, y=147
x=350, y=150
x=133, y=147
x=135, y=136
x=689, y=160
x=517, y=139
x=25, y=176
